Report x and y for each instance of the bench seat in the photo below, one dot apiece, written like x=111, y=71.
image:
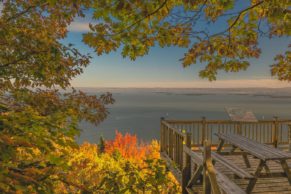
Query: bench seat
x=226, y=185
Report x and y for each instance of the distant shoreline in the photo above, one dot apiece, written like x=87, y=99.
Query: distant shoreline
x=272, y=93
x=186, y=88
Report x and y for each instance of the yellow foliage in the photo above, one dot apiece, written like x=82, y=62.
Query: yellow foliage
x=111, y=172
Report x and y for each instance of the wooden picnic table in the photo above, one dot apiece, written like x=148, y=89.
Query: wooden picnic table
x=260, y=151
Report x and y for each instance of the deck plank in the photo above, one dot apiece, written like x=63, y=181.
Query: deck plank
x=274, y=185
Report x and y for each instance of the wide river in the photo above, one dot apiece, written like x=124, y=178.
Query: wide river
x=138, y=111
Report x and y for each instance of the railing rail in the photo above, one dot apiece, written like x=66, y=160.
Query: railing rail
x=209, y=174
x=274, y=131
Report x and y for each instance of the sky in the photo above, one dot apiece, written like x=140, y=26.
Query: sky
x=162, y=68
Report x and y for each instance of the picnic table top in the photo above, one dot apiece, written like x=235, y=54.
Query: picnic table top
x=259, y=150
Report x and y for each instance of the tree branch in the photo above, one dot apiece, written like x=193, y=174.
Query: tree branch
x=238, y=17
x=138, y=21
x=28, y=9
x=243, y=11
x=22, y=58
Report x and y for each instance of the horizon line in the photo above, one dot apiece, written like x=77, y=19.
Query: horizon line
x=195, y=84
x=109, y=87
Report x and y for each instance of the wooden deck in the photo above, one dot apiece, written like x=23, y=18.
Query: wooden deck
x=183, y=141
x=274, y=185
x=264, y=185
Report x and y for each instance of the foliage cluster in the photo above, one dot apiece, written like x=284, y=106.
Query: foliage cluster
x=220, y=34
x=39, y=123
x=128, y=147
x=114, y=171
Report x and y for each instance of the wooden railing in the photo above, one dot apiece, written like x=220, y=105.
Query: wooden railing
x=177, y=147
x=274, y=131
x=179, y=137
x=209, y=173
x=172, y=143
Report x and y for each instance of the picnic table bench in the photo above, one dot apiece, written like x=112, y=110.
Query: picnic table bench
x=260, y=151
x=235, y=169
x=226, y=185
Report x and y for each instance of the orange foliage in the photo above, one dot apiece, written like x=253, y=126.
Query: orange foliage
x=125, y=165
x=127, y=145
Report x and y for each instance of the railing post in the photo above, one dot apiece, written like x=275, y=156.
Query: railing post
x=289, y=136
x=206, y=157
x=275, y=132
x=166, y=139
x=162, y=138
x=175, y=143
x=186, y=173
x=203, y=130
x=238, y=129
x=171, y=135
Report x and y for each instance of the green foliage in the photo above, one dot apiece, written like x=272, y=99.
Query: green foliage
x=282, y=69
x=38, y=123
x=32, y=54
x=136, y=26
x=34, y=137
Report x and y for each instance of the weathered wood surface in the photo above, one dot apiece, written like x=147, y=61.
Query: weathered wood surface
x=274, y=185
x=261, y=151
x=186, y=170
x=237, y=170
x=195, y=156
x=176, y=151
x=226, y=185
x=268, y=185
x=274, y=131
x=173, y=128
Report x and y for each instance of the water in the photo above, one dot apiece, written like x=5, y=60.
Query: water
x=138, y=111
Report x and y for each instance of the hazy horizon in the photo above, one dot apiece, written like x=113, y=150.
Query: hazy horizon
x=245, y=83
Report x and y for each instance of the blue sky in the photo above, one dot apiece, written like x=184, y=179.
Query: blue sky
x=162, y=68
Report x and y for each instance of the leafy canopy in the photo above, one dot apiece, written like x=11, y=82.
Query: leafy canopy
x=39, y=123
x=221, y=34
